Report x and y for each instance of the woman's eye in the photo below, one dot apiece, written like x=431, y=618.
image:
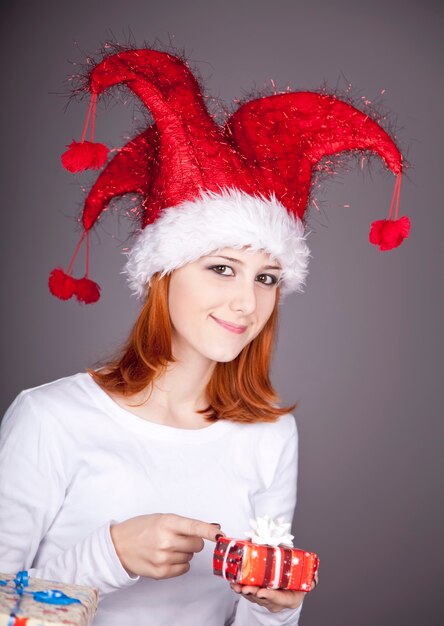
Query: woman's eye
x=272, y=279
x=265, y=279
x=219, y=269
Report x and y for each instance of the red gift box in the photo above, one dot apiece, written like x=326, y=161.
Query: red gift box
x=274, y=567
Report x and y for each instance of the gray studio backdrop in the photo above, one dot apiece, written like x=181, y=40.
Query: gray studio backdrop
x=361, y=350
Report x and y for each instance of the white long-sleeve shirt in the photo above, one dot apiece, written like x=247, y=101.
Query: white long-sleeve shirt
x=72, y=462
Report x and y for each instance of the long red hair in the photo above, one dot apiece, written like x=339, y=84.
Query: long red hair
x=239, y=390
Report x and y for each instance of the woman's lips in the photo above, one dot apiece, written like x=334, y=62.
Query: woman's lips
x=233, y=329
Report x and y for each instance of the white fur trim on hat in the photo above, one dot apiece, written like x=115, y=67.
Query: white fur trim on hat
x=231, y=218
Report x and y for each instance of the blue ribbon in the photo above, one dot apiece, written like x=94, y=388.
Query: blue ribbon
x=49, y=596
x=53, y=596
x=21, y=580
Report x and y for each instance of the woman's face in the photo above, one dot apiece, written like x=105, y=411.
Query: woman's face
x=221, y=302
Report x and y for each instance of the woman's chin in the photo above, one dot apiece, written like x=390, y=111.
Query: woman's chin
x=224, y=355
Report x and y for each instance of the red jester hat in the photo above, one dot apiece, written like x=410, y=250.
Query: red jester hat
x=204, y=186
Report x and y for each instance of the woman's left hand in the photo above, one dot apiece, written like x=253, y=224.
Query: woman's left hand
x=273, y=599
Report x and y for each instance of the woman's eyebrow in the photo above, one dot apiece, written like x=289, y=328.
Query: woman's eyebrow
x=228, y=258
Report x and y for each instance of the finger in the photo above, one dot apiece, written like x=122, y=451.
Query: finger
x=282, y=597
x=187, y=544
x=174, y=570
x=249, y=590
x=255, y=600
x=193, y=527
x=180, y=557
x=267, y=594
x=266, y=603
x=163, y=559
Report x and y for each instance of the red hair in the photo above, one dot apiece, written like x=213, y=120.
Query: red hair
x=239, y=390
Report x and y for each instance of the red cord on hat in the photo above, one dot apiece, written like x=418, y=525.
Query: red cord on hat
x=86, y=155
x=62, y=285
x=390, y=233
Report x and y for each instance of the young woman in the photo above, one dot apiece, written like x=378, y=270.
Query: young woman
x=125, y=471
x=121, y=478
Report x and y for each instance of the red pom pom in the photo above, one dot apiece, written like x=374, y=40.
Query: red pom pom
x=389, y=234
x=87, y=290
x=61, y=285
x=84, y=155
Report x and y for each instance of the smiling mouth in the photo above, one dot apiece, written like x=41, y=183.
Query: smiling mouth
x=233, y=328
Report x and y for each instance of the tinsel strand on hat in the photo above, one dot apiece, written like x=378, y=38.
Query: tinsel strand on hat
x=205, y=186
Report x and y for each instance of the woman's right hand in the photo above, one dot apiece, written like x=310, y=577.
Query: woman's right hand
x=160, y=545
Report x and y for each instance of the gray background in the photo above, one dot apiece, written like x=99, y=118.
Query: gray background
x=361, y=350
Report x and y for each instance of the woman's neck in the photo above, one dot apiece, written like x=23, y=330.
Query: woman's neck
x=176, y=396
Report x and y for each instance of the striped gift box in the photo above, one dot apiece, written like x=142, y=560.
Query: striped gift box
x=248, y=563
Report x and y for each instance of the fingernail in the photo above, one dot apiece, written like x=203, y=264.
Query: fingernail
x=215, y=524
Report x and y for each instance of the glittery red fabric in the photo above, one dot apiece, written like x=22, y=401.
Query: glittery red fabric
x=285, y=136
x=189, y=151
x=269, y=145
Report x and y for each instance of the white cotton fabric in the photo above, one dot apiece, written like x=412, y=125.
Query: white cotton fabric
x=231, y=218
x=72, y=462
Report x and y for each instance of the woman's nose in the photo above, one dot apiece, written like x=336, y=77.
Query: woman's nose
x=243, y=297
